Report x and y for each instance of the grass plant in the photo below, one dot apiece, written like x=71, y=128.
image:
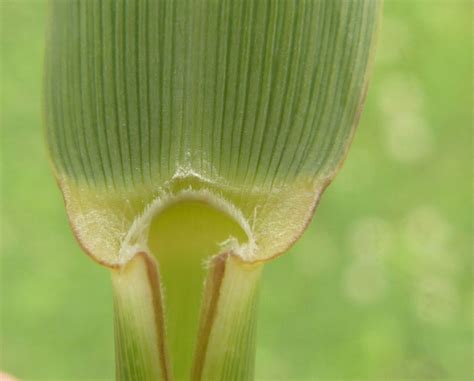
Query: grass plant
x=192, y=141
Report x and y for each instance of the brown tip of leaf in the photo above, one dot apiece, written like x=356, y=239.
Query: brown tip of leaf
x=208, y=311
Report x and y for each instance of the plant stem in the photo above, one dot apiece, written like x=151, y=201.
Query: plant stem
x=227, y=333
x=210, y=333
x=139, y=327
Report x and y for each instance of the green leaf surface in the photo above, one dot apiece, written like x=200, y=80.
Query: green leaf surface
x=256, y=101
x=252, y=93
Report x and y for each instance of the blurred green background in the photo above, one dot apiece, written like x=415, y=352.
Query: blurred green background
x=379, y=288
